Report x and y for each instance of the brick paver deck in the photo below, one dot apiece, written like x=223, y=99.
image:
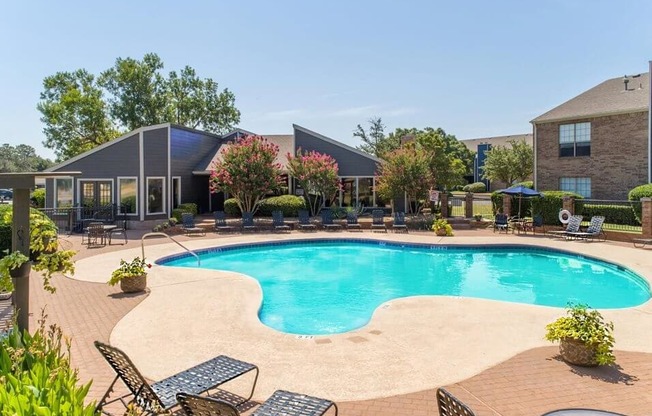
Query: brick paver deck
x=530, y=383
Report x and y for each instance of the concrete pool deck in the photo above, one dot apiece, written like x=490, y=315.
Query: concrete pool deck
x=410, y=344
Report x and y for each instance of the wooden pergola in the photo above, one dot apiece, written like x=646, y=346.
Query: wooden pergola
x=21, y=184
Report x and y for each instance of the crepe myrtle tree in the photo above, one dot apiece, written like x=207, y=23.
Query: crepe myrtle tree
x=247, y=171
x=316, y=173
x=405, y=171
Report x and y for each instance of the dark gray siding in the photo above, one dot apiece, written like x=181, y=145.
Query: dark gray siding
x=49, y=193
x=155, y=162
x=187, y=150
x=349, y=163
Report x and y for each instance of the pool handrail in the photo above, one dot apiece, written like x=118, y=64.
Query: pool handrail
x=159, y=234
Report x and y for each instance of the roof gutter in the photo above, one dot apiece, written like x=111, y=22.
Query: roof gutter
x=586, y=116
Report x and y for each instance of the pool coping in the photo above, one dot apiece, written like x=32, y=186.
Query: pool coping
x=401, y=342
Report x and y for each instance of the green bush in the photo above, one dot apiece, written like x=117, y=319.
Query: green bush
x=42, y=230
x=177, y=214
x=289, y=204
x=643, y=191
x=551, y=203
x=231, y=208
x=475, y=187
x=188, y=207
x=614, y=214
x=38, y=198
x=37, y=378
x=527, y=184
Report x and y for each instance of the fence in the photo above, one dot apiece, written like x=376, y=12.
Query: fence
x=75, y=219
x=619, y=215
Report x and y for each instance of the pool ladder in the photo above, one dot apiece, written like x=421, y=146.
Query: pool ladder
x=157, y=234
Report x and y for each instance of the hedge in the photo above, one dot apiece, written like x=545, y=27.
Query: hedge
x=551, y=203
x=475, y=187
x=615, y=214
x=643, y=191
x=5, y=225
x=188, y=207
x=497, y=199
x=38, y=198
x=289, y=204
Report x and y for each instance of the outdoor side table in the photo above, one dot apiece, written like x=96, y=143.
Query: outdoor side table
x=581, y=412
x=286, y=403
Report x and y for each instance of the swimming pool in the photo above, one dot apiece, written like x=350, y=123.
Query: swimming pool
x=316, y=287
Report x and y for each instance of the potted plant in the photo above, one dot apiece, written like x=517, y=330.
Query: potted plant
x=49, y=263
x=442, y=228
x=15, y=264
x=131, y=275
x=586, y=339
x=478, y=217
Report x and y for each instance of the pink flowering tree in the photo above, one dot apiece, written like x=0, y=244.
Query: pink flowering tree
x=247, y=171
x=405, y=171
x=316, y=173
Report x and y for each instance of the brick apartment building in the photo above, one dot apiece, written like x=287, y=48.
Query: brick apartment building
x=598, y=143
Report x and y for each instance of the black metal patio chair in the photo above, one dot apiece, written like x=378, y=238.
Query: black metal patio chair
x=450, y=405
x=399, y=222
x=304, y=221
x=220, y=222
x=327, y=221
x=278, y=222
x=352, y=223
x=160, y=396
x=378, y=221
x=188, y=224
x=248, y=223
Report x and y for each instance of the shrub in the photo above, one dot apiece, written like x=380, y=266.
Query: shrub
x=177, y=214
x=38, y=198
x=37, y=376
x=643, y=191
x=551, y=203
x=188, y=207
x=289, y=204
x=526, y=184
x=615, y=214
x=231, y=208
x=43, y=232
x=475, y=187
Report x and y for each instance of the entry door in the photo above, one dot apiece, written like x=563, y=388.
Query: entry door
x=95, y=194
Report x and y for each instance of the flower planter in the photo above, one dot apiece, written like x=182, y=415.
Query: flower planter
x=577, y=352
x=21, y=271
x=5, y=295
x=133, y=284
x=441, y=232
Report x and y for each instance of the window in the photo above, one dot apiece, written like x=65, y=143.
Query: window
x=156, y=195
x=581, y=186
x=128, y=195
x=348, y=194
x=176, y=191
x=366, y=192
x=62, y=192
x=575, y=140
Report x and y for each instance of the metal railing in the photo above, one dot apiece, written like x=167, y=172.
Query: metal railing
x=482, y=206
x=157, y=234
x=74, y=219
x=619, y=215
x=457, y=206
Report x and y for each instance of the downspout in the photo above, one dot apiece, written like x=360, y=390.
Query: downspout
x=649, y=126
x=534, y=145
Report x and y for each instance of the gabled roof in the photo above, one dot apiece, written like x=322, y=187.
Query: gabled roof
x=285, y=143
x=607, y=98
x=335, y=142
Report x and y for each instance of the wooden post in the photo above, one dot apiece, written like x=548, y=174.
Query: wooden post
x=568, y=203
x=468, y=205
x=646, y=217
x=20, y=242
x=507, y=205
x=443, y=203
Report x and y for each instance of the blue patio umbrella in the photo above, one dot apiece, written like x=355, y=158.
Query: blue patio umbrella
x=520, y=191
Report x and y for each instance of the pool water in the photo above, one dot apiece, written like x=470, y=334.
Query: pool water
x=327, y=287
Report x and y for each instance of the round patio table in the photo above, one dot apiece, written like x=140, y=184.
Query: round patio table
x=581, y=412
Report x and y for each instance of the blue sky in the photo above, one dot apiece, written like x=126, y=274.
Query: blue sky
x=474, y=68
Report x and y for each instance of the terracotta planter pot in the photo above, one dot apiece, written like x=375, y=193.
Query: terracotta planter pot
x=577, y=352
x=21, y=271
x=441, y=232
x=133, y=284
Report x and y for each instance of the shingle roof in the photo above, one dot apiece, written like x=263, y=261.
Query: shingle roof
x=472, y=144
x=285, y=143
x=606, y=98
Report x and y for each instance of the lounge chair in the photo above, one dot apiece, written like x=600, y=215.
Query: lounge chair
x=641, y=242
x=278, y=222
x=327, y=221
x=280, y=403
x=450, y=405
x=220, y=222
x=537, y=222
x=304, y=221
x=573, y=226
x=161, y=396
x=188, y=224
x=378, y=221
x=501, y=222
x=399, y=222
x=352, y=221
x=594, y=230
x=248, y=223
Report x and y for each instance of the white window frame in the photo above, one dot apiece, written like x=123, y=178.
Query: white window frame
x=119, y=196
x=575, y=187
x=357, y=190
x=56, y=191
x=163, y=197
x=80, y=180
x=172, y=189
x=575, y=134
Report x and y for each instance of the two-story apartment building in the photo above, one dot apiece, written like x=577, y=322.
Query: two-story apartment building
x=598, y=143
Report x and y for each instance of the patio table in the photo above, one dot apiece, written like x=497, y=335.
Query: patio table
x=581, y=412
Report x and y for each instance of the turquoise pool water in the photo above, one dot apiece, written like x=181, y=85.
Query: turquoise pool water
x=327, y=287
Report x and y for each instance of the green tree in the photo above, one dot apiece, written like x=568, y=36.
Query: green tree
x=21, y=158
x=74, y=114
x=138, y=91
x=247, y=171
x=374, y=141
x=405, y=171
x=509, y=164
x=446, y=161
x=316, y=173
x=198, y=103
